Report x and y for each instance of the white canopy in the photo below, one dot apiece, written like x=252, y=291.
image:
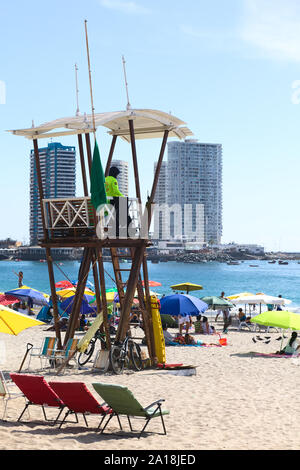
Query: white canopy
x=148, y=124
x=261, y=299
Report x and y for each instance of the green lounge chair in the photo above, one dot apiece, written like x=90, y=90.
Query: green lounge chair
x=122, y=401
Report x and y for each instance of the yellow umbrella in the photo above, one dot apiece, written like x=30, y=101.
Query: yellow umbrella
x=12, y=323
x=187, y=286
x=236, y=296
x=70, y=292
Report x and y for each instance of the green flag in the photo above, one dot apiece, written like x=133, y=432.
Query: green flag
x=98, y=194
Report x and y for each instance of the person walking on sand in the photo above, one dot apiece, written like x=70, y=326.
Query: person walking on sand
x=220, y=311
x=227, y=320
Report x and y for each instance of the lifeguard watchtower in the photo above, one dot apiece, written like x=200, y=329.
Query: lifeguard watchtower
x=73, y=222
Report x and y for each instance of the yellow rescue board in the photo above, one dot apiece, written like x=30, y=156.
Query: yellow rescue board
x=159, y=339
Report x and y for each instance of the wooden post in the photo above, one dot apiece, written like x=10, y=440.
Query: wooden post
x=134, y=159
x=156, y=176
x=82, y=278
x=110, y=156
x=103, y=297
x=131, y=286
x=48, y=251
x=83, y=171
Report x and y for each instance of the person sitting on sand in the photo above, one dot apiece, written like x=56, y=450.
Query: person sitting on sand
x=292, y=346
x=188, y=339
x=184, y=320
x=207, y=329
x=167, y=335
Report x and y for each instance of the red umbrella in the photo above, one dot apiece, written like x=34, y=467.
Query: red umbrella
x=153, y=283
x=8, y=299
x=64, y=284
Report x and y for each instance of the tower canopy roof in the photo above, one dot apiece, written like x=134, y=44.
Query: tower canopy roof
x=148, y=124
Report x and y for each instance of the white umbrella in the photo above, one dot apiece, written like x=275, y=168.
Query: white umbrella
x=261, y=299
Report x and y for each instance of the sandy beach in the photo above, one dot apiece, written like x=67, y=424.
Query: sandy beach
x=236, y=401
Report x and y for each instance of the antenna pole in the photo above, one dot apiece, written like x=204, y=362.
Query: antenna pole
x=77, y=90
x=126, y=84
x=90, y=78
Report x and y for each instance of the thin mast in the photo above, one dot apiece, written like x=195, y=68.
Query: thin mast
x=126, y=83
x=90, y=78
x=77, y=90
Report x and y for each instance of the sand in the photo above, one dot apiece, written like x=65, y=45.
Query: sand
x=235, y=401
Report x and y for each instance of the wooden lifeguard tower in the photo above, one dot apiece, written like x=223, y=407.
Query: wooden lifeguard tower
x=72, y=222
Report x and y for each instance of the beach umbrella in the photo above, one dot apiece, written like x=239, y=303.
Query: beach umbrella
x=63, y=285
x=237, y=296
x=187, y=286
x=85, y=307
x=12, y=323
x=89, y=284
x=152, y=283
x=70, y=292
x=25, y=293
x=217, y=302
x=182, y=304
x=280, y=319
x=8, y=299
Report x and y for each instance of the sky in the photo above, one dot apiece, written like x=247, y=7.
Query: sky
x=229, y=69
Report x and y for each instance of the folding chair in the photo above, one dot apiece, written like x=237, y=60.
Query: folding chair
x=77, y=397
x=5, y=392
x=37, y=392
x=61, y=357
x=122, y=401
x=45, y=352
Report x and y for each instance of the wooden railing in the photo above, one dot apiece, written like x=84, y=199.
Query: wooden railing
x=76, y=216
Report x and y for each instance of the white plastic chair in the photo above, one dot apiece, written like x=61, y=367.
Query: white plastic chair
x=5, y=392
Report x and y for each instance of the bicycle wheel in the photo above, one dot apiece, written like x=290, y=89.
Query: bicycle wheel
x=135, y=355
x=85, y=356
x=116, y=359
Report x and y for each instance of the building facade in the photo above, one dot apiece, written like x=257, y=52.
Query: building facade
x=193, y=181
x=58, y=169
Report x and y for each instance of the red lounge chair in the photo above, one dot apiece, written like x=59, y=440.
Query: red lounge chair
x=37, y=391
x=77, y=397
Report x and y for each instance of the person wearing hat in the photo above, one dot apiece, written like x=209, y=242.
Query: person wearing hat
x=112, y=190
x=111, y=183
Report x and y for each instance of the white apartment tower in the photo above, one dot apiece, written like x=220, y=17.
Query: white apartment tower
x=193, y=193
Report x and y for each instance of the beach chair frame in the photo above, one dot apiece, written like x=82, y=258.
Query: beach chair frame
x=5, y=392
x=147, y=413
x=41, y=386
x=45, y=352
x=59, y=358
x=102, y=409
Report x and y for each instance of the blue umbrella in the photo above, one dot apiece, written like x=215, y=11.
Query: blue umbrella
x=182, y=304
x=85, y=308
x=25, y=293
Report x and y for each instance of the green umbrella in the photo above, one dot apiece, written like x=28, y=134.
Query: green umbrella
x=285, y=320
x=217, y=302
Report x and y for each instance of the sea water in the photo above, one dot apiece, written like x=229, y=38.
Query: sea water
x=271, y=279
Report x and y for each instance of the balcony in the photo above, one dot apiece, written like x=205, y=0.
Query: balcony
x=75, y=220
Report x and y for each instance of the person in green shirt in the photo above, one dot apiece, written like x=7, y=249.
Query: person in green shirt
x=111, y=183
x=112, y=190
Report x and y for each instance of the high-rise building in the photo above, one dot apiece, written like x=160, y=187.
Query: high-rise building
x=58, y=169
x=193, y=194
x=122, y=178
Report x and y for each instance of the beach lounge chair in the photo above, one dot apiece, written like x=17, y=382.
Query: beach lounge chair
x=79, y=400
x=44, y=353
x=37, y=392
x=123, y=402
x=244, y=324
x=6, y=393
x=62, y=357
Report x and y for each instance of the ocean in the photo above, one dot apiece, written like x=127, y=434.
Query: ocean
x=271, y=279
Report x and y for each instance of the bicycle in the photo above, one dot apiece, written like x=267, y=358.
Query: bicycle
x=121, y=353
x=85, y=356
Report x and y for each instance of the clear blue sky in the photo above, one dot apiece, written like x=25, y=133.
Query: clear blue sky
x=224, y=67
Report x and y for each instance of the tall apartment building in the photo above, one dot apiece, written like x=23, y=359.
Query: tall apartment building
x=123, y=176
x=194, y=187
x=58, y=168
